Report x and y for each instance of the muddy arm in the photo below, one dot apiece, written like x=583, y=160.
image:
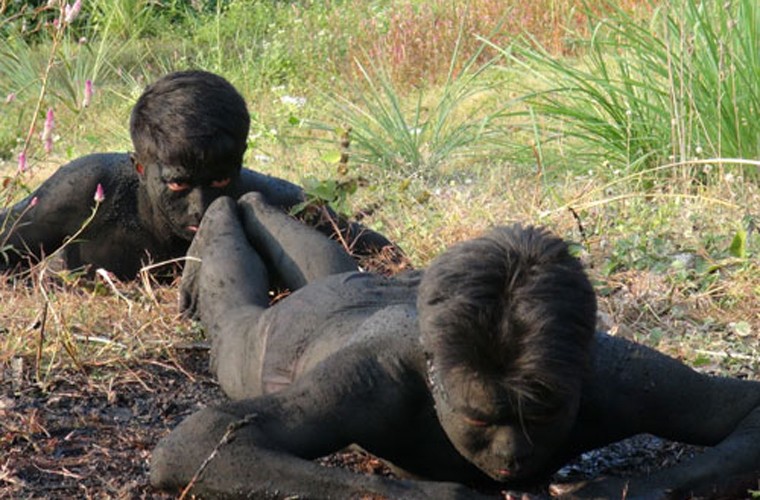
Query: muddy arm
x=38, y=224
x=271, y=440
x=361, y=240
x=650, y=392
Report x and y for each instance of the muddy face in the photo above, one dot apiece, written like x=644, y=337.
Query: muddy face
x=505, y=438
x=182, y=196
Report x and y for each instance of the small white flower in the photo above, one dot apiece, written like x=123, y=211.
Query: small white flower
x=296, y=101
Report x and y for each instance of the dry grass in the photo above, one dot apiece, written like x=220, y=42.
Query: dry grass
x=416, y=39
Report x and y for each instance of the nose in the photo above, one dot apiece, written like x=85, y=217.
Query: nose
x=198, y=201
x=511, y=449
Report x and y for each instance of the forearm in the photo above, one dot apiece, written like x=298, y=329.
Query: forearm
x=731, y=464
x=223, y=455
x=13, y=238
x=726, y=470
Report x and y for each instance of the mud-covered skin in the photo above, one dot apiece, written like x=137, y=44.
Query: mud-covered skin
x=340, y=362
x=139, y=221
x=189, y=133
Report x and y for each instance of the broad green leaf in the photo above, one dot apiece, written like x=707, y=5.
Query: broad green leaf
x=738, y=246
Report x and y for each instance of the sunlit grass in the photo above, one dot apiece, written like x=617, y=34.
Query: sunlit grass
x=634, y=215
x=679, y=86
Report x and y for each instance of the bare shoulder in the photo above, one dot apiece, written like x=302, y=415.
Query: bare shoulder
x=79, y=178
x=277, y=191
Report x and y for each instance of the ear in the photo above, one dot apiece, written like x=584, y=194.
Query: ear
x=139, y=167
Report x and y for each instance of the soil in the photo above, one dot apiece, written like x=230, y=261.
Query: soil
x=90, y=435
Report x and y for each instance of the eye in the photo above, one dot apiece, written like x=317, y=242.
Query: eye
x=178, y=186
x=221, y=182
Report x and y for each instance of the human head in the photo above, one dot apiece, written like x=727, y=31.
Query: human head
x=506, y=321
x=189, y=131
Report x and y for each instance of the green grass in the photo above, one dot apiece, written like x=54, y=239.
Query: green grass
x=680, y=85
x=579, y=138
x=403, y=142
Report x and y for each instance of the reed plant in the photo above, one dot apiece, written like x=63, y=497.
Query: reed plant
x=683, y=85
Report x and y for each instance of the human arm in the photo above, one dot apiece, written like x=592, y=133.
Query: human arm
x=39, y=224
x=637, y=390
x=268, y=452
x=361, y=241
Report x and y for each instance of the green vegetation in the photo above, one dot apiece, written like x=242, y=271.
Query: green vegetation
x=629, y=127
x=680, y=85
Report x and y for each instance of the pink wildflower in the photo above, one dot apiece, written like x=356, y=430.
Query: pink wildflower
x=33, y=202
x=47, y=131
x=72, y=11
x=10, y=98
x=99, y=194
x=22, y=162
x=87, y=93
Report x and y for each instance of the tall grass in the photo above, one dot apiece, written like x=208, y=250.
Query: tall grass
x=415, y=39
x=684, y=85
x=414, y=141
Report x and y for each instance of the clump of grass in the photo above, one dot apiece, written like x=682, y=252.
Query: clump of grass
x=411, y=142
x=684, y=85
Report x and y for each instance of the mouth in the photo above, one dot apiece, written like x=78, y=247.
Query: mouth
x=504, y=473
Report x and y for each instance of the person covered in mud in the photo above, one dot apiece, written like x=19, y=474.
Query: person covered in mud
x=482, y=371
x=189, y=131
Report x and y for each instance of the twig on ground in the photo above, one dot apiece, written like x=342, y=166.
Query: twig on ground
x=226, y=438
x=99, y=340
x=727, y=354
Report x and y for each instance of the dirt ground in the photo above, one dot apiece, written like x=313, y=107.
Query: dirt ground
x=91, y=435
x=86, y=439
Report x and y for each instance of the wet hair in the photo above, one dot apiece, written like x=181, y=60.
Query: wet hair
x=192, y=119
x=511, y=307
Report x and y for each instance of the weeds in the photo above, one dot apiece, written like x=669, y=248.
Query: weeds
x=405, y=143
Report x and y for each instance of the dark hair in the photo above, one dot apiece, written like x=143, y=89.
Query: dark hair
x=513, y=306
x=192, y=119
